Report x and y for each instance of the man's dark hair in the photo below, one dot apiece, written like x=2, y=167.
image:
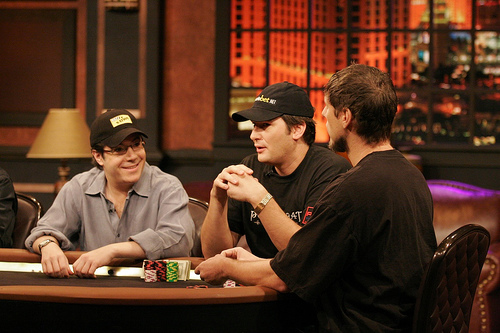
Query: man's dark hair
x=100, y=149
x=310, y=131
x=370, y=96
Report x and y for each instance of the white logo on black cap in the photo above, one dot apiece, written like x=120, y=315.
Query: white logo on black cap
x=263, y=99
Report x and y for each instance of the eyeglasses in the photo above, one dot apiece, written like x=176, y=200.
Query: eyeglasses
x=122, y=150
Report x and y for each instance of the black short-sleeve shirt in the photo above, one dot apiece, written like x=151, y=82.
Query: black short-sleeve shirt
x=361, y=257
x=296, y=194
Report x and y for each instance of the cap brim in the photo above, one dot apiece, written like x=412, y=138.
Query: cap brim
x=255, y=114
x=116, y=139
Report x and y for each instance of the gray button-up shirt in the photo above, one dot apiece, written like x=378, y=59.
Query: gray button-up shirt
x=156, y=215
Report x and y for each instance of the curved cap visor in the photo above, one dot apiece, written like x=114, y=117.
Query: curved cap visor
x=117, y=138
x=255, y=114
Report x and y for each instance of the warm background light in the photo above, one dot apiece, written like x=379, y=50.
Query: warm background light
x=64, y=134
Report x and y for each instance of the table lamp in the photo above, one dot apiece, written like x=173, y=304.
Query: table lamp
x=64, y=134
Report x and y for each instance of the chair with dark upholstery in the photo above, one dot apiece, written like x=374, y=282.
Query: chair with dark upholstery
x=457, y=204
x=29, y=211
x=198, y=210
x=448, y=286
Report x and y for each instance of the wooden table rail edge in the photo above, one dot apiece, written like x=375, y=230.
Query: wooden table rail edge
x=127, y=295
x=23, y=255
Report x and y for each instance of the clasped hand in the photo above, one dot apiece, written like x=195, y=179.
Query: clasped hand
x=237, y=182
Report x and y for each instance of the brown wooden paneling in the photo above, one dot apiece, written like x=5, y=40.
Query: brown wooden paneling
x=103, y=47
x=42, y=63
x=19, y=136
x=189, y=60
x=32, y=46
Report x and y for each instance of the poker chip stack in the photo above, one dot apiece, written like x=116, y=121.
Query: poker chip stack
x=150, y=271
x=161, y=270
x=172, y=271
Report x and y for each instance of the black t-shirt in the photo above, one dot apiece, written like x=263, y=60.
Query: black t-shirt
x=361, y=257
x=296, y=194
x=8, y=209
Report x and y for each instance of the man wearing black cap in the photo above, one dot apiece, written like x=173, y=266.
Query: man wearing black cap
x=360, y=259
x=288, y=172
x=121, y=208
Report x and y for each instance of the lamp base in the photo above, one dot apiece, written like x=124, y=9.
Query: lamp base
x=63, y=177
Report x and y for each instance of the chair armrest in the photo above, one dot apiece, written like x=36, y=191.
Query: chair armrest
x=484, y=316
x=489, y=280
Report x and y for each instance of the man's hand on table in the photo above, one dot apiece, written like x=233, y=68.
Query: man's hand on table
x=239, y=253
x=214, y=270
x=54, y=262
x=86, y=265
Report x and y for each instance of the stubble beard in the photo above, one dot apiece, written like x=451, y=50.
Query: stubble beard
x=339, y=145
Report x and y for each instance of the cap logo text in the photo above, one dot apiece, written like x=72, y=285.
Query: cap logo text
x=263, y=99
x=120, y=120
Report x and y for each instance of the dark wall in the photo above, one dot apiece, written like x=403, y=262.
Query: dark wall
x=182, y=77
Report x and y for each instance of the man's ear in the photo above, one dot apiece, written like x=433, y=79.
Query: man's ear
x=98, y=157
x=298, y=130
x=347, y=118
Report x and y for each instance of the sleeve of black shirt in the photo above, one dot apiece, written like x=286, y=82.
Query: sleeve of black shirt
x=8, y=209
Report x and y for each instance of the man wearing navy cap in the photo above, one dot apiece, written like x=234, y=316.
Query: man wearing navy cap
x=288, y=171
x=121, y=208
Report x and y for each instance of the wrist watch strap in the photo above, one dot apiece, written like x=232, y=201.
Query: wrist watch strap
x=262, y=204
x=44, y=243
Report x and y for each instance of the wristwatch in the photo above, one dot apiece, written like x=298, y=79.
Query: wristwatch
x=263, y=203
x=44, y=243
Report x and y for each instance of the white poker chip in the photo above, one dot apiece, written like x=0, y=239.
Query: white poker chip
x=229, y=284
x=150, y=275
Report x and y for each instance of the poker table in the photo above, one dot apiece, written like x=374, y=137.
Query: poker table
x=32, y=301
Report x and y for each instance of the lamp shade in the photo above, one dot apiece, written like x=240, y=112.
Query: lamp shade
x=64, y=134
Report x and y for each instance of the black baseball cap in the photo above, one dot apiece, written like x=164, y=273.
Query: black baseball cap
x=112, y=127
x=276, y=100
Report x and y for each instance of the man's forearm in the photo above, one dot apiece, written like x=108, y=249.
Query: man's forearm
x=215, y=233
x=254, y=273
x=128, y=249
x=278, y=225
